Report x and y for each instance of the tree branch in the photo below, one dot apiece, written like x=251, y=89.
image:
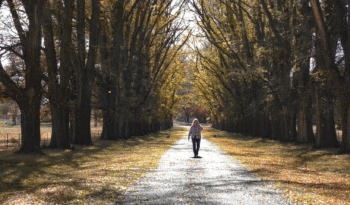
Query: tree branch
x=8, y=82
x=271, y=20
x=325, y=41
x=10, y=48
x=16, y=21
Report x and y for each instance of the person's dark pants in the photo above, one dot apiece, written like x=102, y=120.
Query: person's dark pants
x=196, y=144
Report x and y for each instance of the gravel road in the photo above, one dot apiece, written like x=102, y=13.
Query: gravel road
x=215, y=178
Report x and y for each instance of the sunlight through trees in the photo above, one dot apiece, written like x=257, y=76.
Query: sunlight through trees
x=252, y=68
x=246, y=65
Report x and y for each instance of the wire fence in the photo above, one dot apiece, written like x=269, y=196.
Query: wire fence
x=13, y=140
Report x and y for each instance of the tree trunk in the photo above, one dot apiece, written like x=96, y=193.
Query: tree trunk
x=29, y=100
x=82, y=131
x=345, y=108
x=59, y=74
x=95, y=118
x=293, y=128
x=325, y=131
x=126, y=129
x=340, y=81
x=265, y=123
x=30, y=125
x=60, y=127
x=305, y=133
x=325, y=134
x=85, y=72
x=109, y=131
x=276, y=126
x=289, y=124
x=109, y=128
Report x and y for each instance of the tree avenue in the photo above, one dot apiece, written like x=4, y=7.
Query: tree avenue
x=265, y=68
x=141, y=67
x=129, y=52
x=275, y=68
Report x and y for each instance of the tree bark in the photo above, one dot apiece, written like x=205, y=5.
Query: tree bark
x=324, y=90
x=29, y=97
x=30, y=124
x=60, y=127
x=325, y=133
x=276, y=126
x=108, y=100
x=305, y=132
x=82, y=131
x=85, y=73
x=345, y=141
x=59, y=78
x=344, y=90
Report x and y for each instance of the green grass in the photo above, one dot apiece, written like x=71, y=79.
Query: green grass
x=308, y=176
x=96, y=174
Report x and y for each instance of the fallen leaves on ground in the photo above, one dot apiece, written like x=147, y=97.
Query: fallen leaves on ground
x=97, y=174
x=307, y=175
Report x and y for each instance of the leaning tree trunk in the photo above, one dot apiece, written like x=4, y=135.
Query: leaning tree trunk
x=330, y=62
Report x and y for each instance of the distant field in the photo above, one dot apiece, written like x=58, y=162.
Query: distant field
x=10, y=136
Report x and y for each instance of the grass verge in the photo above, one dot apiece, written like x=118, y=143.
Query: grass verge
x=308, y=176
x=96, y=174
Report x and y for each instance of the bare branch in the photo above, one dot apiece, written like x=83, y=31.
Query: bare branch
x=8, y=82
x=11, y=49
x=16, y=21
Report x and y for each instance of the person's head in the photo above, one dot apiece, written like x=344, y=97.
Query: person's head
x=195, y=122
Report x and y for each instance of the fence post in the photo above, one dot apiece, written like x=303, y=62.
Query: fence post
x=19, y=139
x=7, y=141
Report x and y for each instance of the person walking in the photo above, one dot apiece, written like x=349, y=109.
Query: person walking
x=195, y=134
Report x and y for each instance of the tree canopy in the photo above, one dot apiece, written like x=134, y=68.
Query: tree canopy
x=266, y=68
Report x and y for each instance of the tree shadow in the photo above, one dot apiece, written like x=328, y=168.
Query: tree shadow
x=200, y=192
x=16, y=169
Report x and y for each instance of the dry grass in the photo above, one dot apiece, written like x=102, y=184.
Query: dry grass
x=96, y=174
x=306, y=175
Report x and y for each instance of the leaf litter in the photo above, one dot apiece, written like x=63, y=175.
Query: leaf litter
x=308, y=176
x=96, y=174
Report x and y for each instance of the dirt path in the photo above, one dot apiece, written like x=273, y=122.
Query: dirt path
x=212, y=179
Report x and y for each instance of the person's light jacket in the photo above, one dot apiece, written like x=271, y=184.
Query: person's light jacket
x=195, y=132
